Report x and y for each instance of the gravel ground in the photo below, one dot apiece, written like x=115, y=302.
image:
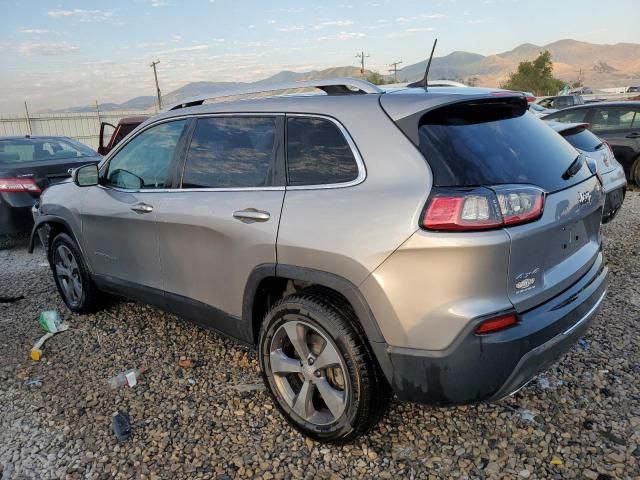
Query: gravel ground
x=214, y=420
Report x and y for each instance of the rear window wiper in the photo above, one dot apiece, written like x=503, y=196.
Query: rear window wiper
x=574, y=168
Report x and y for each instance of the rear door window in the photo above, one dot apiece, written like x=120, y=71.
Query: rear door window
x=495, y=142
x=318, y=153
x=612, y=118
x=576, y=115
x=231, y=152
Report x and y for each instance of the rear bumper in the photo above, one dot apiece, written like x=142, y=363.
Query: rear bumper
x=485, y=368
x=15, y=219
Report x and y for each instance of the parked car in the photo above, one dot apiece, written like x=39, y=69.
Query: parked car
x=581, y=90
x=539, y=110
x=449, y=247
x=633, y=89
x=616, y=122
x=609, y=170
x=28, y=165
x=125, y=126
x=561, y=101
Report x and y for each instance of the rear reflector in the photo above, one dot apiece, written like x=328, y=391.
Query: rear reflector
x=482, y=208
x=18, y=185
x=497, y=324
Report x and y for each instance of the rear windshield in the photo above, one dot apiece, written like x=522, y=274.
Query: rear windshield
x=491, y=142
x=582, y=139
x=23, y=150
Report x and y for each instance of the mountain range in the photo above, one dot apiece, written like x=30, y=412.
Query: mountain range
x=598, y=66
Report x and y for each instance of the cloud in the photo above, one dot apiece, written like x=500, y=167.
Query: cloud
x=159, y=3
x=271, y=22
x=476, y=21
x=82, y=15
x=34, y=31
x=252, y=26
x=343, y=36
x=423, y=16
x=407, y=33
x=291, y=28
x=423, y=29
x=176, y=38
x=333, y=23
x=47, y=49
x=193, y=48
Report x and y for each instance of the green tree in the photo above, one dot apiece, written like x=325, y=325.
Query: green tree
x=377, y=79
x=535, y=76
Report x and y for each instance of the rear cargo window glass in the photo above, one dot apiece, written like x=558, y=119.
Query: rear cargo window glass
x=583, y=139
x=494, y=142
x=318, y=153
x=231, y=152
x=36, y=149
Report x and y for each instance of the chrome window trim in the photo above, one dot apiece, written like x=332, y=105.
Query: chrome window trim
x=362, y=172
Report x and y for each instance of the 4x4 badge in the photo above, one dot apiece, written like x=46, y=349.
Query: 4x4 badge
x=584, y=197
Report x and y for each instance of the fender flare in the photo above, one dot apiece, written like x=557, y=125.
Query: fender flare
x=44, y=220
x=318, y=277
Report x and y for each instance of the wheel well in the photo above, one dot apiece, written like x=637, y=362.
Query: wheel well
x=272, y=289
x=51, y=230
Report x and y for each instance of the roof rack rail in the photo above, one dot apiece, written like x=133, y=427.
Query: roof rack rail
x=331, y=86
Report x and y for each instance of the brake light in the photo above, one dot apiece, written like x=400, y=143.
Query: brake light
x=497, y=324
x=482, y=208
x=18, y=185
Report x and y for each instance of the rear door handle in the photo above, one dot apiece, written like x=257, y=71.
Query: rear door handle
x=634, y=135
x=251, y=214
x=142, y=208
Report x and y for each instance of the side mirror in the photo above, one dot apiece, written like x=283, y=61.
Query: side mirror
x=86, y=176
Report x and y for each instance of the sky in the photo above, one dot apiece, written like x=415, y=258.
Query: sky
x=55, y=54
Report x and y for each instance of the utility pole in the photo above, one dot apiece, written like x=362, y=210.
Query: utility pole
x=580, y=76
x=362, y=56
x=394, y=69
x=155, y=75
x=26, y=111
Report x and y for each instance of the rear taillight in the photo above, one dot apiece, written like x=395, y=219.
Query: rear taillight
x=496, y=324
x=482, y=208
x=18, y=185
x=609, y=157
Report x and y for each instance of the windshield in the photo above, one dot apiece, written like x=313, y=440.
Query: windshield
x=492, y=142
x=21, y=150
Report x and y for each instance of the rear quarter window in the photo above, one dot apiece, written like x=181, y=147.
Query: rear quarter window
x=494, y=142
x=318, y=153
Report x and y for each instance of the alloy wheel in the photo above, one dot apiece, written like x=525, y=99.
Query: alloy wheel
x=68, y=274
x=309, y=372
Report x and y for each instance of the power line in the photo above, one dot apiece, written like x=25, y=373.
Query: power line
x=155, y=75
x=394, y=69
x=362, y=56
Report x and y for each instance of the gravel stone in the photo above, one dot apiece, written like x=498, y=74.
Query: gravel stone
x=584, y=410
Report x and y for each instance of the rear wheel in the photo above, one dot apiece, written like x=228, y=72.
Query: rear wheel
x=319, y=369
x=71, y=275
x=635, y=172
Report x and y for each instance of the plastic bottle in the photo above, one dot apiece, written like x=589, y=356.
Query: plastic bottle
x=130, y=377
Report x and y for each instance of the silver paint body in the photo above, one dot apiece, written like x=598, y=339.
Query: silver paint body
x=422, y=287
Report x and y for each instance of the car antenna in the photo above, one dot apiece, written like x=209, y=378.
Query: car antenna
x=424, y=82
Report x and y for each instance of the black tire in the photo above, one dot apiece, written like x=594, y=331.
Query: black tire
x=89, y=298
x=635, y=172
x=365, y=391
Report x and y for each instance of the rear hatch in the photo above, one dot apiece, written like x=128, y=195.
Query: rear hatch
x=493, y=142
x=586, y=142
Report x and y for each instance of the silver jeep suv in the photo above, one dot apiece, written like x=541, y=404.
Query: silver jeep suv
x=443, y=245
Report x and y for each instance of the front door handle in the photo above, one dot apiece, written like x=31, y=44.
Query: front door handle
x=252, y=215
x=142, y=208
x=634, y=135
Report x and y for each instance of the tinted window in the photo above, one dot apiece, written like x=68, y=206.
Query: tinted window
x=568, y=116
x=318, y=153
x=582, y=138
x=492, y=142
x=144, y=161
x=612, y=118
x=35, y=149
x=227, y=152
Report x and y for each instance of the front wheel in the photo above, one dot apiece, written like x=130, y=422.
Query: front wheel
x=635, y=172
x=319, y=369
x=71, y=275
